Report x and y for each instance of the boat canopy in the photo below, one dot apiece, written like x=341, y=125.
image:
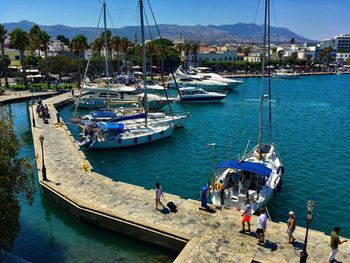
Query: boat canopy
x=252, y=167
x=132, y=117
x=111, y=126
x=103, y=114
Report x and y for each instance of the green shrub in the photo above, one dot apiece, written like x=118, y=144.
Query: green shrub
x=2, y=90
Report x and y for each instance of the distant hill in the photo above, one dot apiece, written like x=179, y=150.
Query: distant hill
x=211, y=34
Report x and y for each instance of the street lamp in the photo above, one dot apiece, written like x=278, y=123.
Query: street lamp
x=41, y=138
x=308, y=217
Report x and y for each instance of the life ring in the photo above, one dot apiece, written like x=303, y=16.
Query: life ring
x=217, y=186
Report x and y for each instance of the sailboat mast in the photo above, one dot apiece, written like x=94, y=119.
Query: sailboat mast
x=106, y=50
x=269, y=74
x=144, y=70
x=261, y=121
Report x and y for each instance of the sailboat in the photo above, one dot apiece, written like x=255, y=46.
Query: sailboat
x=257, y=175
x=101, y=135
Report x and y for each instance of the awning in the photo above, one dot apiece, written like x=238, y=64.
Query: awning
x=111, y=126
x=103, y=114
x=256, y=168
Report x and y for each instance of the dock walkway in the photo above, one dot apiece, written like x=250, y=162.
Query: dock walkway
x=198, y=236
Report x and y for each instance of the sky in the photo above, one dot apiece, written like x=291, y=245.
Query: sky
x=314, y=19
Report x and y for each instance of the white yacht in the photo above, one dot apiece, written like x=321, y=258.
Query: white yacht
x=94, y=97
x=285, y=74
x=205, y=72
x=196, y=95
x=208, y=85
x=151, y=87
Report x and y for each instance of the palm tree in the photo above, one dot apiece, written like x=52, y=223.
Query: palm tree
x=124, y=46
x=116, y=46
x=20, y=40
x=151, y=51
x=246, y=52
x=44, y=46
x=194, y=49
x=179, y=47
x=97, y=46
x=187, y=49
x=292, y=41
x=78, y=45
x=3, y=33
x=280, y=54
x=35, y=38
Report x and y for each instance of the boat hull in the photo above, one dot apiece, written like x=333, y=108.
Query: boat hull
x=131, y=139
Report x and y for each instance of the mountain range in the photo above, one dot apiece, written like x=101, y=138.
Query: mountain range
x=211, y=34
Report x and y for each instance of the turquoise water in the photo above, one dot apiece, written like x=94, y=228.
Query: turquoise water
x=311, y=129
x=49, y=234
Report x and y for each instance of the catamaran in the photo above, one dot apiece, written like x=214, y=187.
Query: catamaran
x=257, y=175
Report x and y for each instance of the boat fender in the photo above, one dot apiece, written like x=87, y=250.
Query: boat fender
x=119, y=140
x=135, y=140
x=150, y=137
x=217, y=186
x=162, y=132
x=282, y=169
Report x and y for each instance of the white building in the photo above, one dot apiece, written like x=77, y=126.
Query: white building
x=338, y=42
x=217, y=54
x=341, y=57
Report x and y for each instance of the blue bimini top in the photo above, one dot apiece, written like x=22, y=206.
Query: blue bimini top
x=111, y=126
x=257, y=168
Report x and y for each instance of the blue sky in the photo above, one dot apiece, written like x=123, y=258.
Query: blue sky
x=315, y=19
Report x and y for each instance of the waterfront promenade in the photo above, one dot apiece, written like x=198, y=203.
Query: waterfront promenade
x=198, y=236
x=10, y=96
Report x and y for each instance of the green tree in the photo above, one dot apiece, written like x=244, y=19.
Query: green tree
x=280, y=54
x=116, y=46
x=34, y=37
x=125, y=46
x=246, y=52
x=180, y=47
x=78, y=45
x=292, y=41
x=194, y=49
x=97, y=46
x=20, y=40
x=16, y=181
x=187, y=50
x=3, y=36
x=44, y=39
x=325, y=54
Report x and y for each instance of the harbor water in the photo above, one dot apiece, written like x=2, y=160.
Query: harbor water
x=310, y=128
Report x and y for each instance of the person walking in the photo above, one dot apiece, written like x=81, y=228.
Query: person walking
x=159, y=194
x=247, y=214
x=335, y=241
x=291, y=227
x=262, y=223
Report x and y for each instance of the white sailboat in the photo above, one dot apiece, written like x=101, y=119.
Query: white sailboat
x=102, y=135
x=257, y=175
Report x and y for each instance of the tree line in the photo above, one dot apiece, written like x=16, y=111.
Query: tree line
x=162, y=54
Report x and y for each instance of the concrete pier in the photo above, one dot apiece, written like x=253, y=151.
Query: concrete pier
x=198, y=236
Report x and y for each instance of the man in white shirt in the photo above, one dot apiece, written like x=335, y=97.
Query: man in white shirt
x=262, y=223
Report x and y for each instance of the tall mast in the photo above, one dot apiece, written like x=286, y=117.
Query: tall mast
x=106, y=50
x=261, y=121
x=269, y=74
x=144, y=70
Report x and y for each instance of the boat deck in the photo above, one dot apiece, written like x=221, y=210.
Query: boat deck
x=197, y=235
